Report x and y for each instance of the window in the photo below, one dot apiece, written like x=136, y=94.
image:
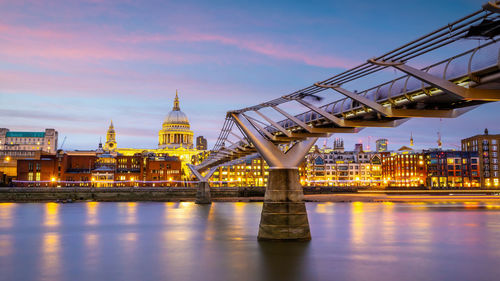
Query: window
x=37, y=176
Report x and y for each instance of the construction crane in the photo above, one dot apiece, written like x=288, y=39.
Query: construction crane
x=62, y=144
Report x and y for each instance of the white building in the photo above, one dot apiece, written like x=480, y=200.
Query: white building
x=24, y=144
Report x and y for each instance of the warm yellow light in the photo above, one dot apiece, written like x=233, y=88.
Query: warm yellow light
x=170, y=179
x=92, y=179
x=131, y=178
x=357, y=178
x=7, y=158
x=53, y=179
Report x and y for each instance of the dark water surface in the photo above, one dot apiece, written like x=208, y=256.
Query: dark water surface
x=184, y=241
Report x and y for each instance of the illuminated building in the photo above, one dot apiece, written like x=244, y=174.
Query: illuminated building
x=201, y=143
x=336, y=167
x=99, y=169
x=486, y=146
x=407, y=168
x=452, y=169
x=20, y=145
x=251, y=172
x=175, y=138
x=381, y=145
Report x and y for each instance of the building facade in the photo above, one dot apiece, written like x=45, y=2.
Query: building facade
x=16, y=145
x=452, y=169
x=381, y=145
x=406, y=168
x=486, y=146
x=336, y=167
x=201, y=143
x=99, y=169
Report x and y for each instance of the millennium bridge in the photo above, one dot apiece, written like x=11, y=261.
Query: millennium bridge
x=465, y=76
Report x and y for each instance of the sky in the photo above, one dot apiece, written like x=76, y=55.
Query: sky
x=76, y=65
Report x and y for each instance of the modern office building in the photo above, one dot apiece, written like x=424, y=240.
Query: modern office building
x=201, y=143
x=452, y=169
x=486, y=146
x=381, y=145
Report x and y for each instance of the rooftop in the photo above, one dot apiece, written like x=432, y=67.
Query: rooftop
x=25, y=134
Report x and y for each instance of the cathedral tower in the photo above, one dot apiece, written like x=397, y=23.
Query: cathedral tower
x=110, y=144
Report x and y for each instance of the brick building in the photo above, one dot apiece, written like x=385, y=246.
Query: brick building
x=99, y=169
x=486, y=146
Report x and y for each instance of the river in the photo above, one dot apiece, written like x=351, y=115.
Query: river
x=184, y=241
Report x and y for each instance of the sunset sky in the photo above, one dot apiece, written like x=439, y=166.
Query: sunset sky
x=75, y=65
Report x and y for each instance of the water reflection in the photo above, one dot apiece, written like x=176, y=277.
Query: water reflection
x=285, y=261
x=6, y=247
x=50, y=256
x=6, y=215
x=128, y=211
x=357, y=224
x=185, y=241
x=51, y=214
x=92, y=208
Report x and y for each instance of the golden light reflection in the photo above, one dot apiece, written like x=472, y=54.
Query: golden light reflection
x=51, y=214
x=51, y=262
x=130, y=209
x=6, y=215
x=320, y=208
x=239, y=208
x=91, y=241
x=5, y=245
x=179, y=214
x=92, y=208
x=357, y=223
x=388, y=222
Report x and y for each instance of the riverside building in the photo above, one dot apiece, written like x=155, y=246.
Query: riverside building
x=486, y=146
x=99, y=169
x=336, y=167
x=16, y=145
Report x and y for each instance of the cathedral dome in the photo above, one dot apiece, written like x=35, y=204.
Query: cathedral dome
x=175, y=132
x=176, y=116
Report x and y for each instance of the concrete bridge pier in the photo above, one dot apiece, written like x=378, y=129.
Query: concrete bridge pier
x=203, y=192
x=284, y=214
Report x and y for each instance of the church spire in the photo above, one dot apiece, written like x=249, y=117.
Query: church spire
x=176, y=102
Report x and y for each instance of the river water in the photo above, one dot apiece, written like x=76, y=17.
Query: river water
x=184, y=241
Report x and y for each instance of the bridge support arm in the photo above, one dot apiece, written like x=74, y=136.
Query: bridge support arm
x=203, y=195
x=284, y=214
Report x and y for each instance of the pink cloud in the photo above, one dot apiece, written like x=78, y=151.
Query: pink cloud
x=112, y=44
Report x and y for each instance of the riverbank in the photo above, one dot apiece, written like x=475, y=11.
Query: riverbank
x=240, y=194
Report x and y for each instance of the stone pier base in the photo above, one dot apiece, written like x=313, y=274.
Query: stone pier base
x=284, y=215
x=203, y=193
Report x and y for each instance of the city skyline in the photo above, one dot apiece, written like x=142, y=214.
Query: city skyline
x=74, y=67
